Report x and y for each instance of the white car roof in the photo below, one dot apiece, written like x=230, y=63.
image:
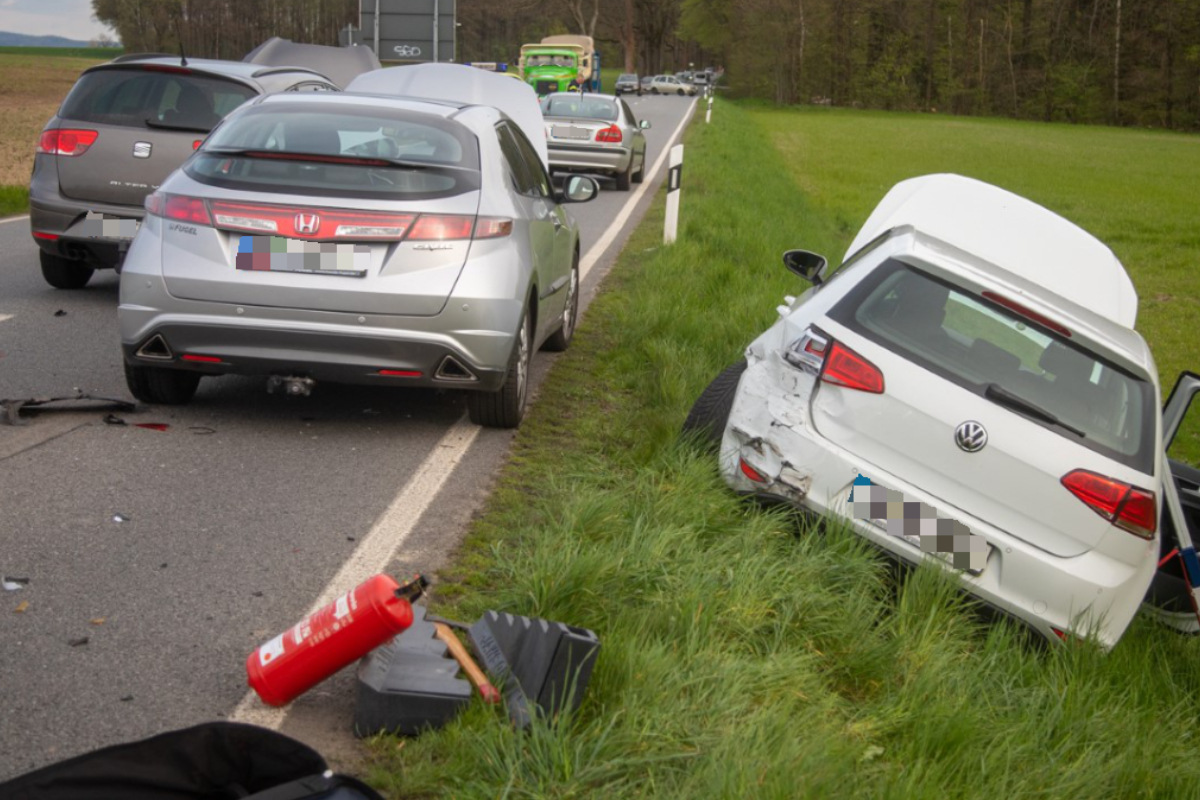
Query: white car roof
x=462, y=84
x=1014, y=234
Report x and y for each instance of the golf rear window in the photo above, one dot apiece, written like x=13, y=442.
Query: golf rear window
x=140, y=98
x=978, y=345
x=340, y=151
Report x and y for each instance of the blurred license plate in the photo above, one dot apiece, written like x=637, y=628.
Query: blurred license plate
x=279, y=254
x=919, y=525
x=569, y=132
x=104, y=226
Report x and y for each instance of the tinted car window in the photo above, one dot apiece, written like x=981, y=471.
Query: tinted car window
x=523, y=178
x=574, y=105
x=141, y=98
x=984, y=347
x=344, y=151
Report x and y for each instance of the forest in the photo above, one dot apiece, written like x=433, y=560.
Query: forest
x=1117, y=62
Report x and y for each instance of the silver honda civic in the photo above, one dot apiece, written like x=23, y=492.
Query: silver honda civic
x=356, y=239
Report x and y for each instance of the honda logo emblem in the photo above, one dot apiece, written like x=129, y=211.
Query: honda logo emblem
x=306, y=223
x=970, y=436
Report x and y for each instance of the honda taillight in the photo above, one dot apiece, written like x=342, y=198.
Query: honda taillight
x=844, y=367
x=1125, y=506
x=441, y=227
x=610, y=134
x=66, y=142
x=178, y=207
x=311, y=223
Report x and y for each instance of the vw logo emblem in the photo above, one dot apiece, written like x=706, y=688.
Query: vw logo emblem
x=306, y=223
x=970, y=436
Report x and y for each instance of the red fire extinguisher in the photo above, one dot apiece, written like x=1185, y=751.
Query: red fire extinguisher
x=346, y=629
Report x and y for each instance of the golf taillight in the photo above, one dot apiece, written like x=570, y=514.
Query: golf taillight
x=178, y=207
x=68, y=142
x=846, y=368
x=610, y=134
x=1128, y=507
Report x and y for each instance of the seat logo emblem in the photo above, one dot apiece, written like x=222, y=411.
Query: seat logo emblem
x=970, y=436
x=306, y=223
x=141, y=149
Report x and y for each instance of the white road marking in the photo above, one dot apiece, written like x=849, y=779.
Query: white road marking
x=393, y=528
x=595, y=251
x=13, y=219
x=5, y=317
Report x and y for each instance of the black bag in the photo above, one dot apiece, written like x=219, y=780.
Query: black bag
x=213, y=761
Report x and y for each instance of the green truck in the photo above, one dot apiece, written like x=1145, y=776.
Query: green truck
x=561, y=64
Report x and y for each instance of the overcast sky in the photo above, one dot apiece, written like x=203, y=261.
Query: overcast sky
x=69, y=18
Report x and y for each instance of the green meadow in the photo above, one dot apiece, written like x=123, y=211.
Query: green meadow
x=747, y=652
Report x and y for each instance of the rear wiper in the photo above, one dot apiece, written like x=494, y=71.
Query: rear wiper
x=1004, y=397
x=154, y=123
x=323, y=158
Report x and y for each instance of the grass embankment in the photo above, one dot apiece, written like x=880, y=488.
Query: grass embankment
x=33, y=81
x=744, y=655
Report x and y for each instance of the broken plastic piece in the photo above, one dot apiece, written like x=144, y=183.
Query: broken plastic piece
x=152, y=426
x=80, y=642
x=113, y=419
x=120, y=518
x=14, y=584
x=60, y=313
x=11, y=409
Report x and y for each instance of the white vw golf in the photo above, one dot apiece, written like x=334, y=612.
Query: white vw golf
x=967, y=388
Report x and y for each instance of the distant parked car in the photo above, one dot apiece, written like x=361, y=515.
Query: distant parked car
x=595, y=133
x=669, y=84
x=967, y=390
x=121, y=130
x=645, y=82
x=359, y=239
x=627, y=83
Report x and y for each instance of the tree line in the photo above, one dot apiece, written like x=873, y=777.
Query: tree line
x=1123, y=62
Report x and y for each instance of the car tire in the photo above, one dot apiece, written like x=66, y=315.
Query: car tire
x=506, y=407
x=624, y=179
x=64, y=273
x=710, y=413
x=640, y=175
x=160, y=385
x=560, y=340
x=680, y=93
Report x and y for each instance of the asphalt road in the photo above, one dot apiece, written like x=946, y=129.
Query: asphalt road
x=157, y=560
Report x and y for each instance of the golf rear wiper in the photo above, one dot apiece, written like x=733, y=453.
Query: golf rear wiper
x=155, y=123
x=1004, y=397
x=322, y=158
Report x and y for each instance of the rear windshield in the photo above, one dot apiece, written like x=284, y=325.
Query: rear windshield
x=573, y=105
x=340, y=151
x=1009, y=359
x=140, y=98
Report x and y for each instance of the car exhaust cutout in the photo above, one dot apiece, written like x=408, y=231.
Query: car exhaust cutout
x=155, y=348
x=452, y=370
x=291, y=385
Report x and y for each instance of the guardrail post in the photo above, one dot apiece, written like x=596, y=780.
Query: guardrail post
x=708, y=113
x=674, y=173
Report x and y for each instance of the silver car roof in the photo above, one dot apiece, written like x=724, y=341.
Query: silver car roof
x=462, y=84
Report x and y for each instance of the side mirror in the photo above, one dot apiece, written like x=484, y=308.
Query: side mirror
x=644, y=124
x=809, y=266
x=579, y=189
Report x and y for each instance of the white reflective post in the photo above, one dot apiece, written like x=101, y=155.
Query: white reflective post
x=674, y=171
x=708, y=113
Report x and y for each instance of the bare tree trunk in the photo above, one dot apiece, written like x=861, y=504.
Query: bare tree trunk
x=1117, y=67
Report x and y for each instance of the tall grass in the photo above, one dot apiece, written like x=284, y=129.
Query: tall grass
x=745, y=651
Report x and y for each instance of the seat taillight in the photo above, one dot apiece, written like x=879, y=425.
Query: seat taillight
x=1128, y=507
x=67, y=142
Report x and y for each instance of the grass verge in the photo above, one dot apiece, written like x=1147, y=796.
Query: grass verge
x=13, y=200
x=744, y=652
